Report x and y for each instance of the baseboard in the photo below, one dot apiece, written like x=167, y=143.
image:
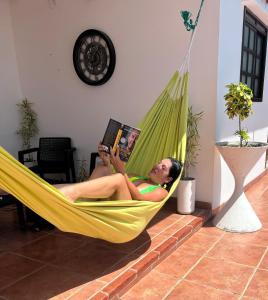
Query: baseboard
x=203, y=205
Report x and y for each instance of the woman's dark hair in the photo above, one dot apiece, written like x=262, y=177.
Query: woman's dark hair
x=174, y=171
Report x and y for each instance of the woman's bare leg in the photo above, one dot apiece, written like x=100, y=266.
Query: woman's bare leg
x=100, y=171
x=114, y=186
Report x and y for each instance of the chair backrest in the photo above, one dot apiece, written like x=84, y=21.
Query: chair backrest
x=51, y=149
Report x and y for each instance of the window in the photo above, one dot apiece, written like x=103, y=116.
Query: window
x=253, y=54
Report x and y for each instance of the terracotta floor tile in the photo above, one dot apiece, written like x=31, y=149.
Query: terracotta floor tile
x=90, y=259
x=173, y=228
x=147, y=247
x=260, y=207
x=44, y=284
x=264, y=220
x=220, y=274
x=128, y=247
x=179, y=262
x=75, y=236
x=113, y=271
x=13, y=267
x=258, y=287
x=248, y=298
x=259, y=238
x=211, y=230
x=49, y=248
x=264, y=263
x=12, y=240
x=201, y=241
x=160, y=225
x=193, y=291
x=187, y=219
x=153, y=286
x=240, y=253
x=87, y=290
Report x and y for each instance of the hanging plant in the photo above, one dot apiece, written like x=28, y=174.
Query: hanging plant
x=192, y=144
x=28, y=125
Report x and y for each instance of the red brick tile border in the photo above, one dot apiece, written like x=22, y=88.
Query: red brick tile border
x=116, y=288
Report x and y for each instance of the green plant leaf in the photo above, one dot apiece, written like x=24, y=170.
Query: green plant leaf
x=239, y=104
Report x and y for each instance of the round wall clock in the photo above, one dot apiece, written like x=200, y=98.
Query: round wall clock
x=94, y=57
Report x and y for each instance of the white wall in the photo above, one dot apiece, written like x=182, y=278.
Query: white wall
x=150, y=42
x=203, y=91
x=10, y=92
x=230, y=43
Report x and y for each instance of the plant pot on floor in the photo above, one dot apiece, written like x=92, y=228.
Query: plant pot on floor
x=238, y=215
x=186, y=196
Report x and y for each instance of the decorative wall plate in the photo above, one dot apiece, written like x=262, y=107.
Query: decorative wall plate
x=94, y=57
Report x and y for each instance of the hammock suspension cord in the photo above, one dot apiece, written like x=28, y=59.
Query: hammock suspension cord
x=188, y=23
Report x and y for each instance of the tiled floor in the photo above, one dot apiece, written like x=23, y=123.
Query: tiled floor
x=213, y=264
x=53, y=264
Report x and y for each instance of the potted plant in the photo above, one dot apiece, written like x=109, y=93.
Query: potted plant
x=186, y=188
x=28, y=125
x=237, y=214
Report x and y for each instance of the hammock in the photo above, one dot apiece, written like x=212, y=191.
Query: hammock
x=163, y=134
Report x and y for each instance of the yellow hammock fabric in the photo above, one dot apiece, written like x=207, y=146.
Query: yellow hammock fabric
x=163, y=134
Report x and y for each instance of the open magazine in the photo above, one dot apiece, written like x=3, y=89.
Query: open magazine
x=124, y=136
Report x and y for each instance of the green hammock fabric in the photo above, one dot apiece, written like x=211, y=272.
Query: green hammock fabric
x=163, y=134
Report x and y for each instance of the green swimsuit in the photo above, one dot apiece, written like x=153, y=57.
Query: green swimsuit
x=147, y=189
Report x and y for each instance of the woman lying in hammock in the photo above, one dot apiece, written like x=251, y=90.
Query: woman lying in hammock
x=103, y=183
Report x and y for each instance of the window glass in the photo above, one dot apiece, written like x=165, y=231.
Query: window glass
x=249, y=81
x=250, y=62
x=244, y=61
x=257, y=68
x=246, y=34
x=251, y=39
x=253, y=54
x=259, y=45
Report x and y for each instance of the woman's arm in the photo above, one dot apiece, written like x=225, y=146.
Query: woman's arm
x=156, y=195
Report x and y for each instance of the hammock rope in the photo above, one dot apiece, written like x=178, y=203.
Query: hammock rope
x=187, y=21
x=190, y=26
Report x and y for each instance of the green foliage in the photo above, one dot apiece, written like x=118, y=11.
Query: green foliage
x=239, y=104
x=83, y=173
x=28, y=125
x=192, y=145
x=244, y=135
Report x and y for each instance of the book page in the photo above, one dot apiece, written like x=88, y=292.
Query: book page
x=127, y=141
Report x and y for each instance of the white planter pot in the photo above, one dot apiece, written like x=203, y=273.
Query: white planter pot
x=238, y=215
x=186, y=196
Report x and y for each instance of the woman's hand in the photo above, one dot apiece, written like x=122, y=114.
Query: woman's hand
x=104, y=156
x=118, y=164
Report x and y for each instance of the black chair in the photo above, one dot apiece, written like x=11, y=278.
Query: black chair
x=93, y=158
x=54, y=156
